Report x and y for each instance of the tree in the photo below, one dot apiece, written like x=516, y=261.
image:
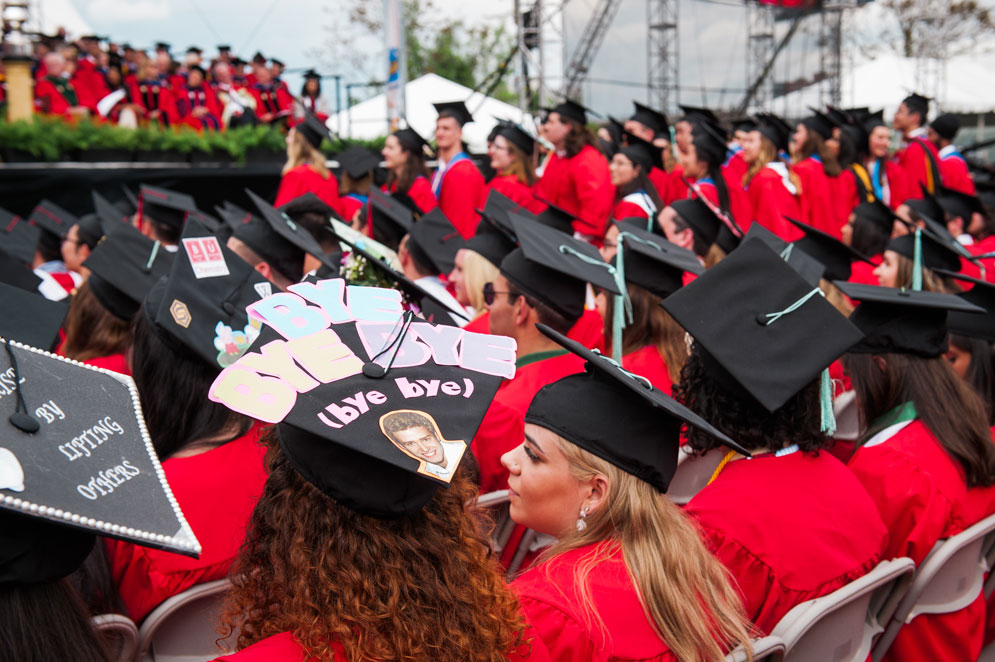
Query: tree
x=934, y=28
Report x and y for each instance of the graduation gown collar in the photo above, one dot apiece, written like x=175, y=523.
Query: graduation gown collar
x=889, y=423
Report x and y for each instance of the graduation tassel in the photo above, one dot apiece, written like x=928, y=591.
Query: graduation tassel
x=828, y=422
x=155, y=251
x=917, y=262
x=622, y=307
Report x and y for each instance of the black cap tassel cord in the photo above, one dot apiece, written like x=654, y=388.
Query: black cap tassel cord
x=20, y=419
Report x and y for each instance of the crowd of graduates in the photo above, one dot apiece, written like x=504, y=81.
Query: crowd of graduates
x=110, y=82
x=332, y=378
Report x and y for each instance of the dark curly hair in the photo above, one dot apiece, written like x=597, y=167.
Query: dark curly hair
x=420, y=587
x=798, y=421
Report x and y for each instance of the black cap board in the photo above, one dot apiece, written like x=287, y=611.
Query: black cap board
x=774, y=129
x=958, y=204
x=123, y=269
x=917, y=103
x=804, y=264
x=18, y=238
x=497, y=210
x=518, y=137
x=391, y=220
x=130, y=200
x=819, y=122
x=652, y=262
x=89, y=463
x=283, y=236
x=313, y=130
x=876, y=213
x=311, y=74
x=169, y=207
x=651, y=119
x=37, y=321
x=946, y=126
x=902, y=321
x=52, y=218
x=16, y=273
x=928, y=206
x=411, y=141
x=703, y=221
x=767, y=332
x=709, y=143
x=357, y=161
x=936, y=254
x=455, y=109
x=982, y=293
x=34, y=551
x=644, y=154
x=89, y=230
x=553, y=216
x=696, y=114
x=308, y=203
x=490, y=243
x=832, y=253
x=201, y=304
x=571, y=110
x=418, y=393
x=571, y=257
x=643, y=433
x=437, y=240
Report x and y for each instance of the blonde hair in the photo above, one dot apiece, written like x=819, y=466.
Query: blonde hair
x=301, y=152
x=685, y=592
x=768, y=154
x=713, y=256
x=522, y=165
x=477, y=270
x=903, y=276
x=836, y=298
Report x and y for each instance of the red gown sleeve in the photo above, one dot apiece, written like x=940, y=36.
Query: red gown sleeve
x=767, y=194
x=816, y=201
x=676, y=189
x=589, y=330
x=898, y=185
x=914, y=162
x=846, y=196
x=459, y=195
x=594, y=191
x=421, y=194
x=625, y=209
x=564, y=638
x=292, y=185
x=48, y=99
x=661, y=181
x=955, y=175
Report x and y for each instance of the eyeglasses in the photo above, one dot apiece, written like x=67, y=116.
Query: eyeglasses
x=490, y=293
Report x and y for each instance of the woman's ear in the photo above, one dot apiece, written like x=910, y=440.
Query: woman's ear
x=881, y=363
x=597, y=493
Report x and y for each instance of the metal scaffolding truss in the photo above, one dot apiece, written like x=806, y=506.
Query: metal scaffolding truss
x=760, y=51
x=661, y=54
x=587, y=47
x=540, y=48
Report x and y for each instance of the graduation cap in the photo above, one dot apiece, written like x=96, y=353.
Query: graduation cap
x=201, y=304
x=709, y=143
x=14, y=272
x=643, y=433
x=18, y=238
x=308, y=203
x=455, y=109
x=490, y=242
x=936, y=254
x=311, y=74
x=766, y=331
x=76, y=453
x=652, y=119
x=195, y=49
x=774, y=129
x=130, y=199
x=313, y=130
x=437, y=241
x=918, y=103
x=518, y=137
x=902, y=321
x=745, y=123
x=169, y=207
x=652, y=262
x=695, y=114
x=358, y=161
x=805, y=265
x=946, y=126
x=123, y=269
x=498, y=209
x=279, y=238
x=411, y=141
x=387, y=454
x=552, y=267
x=571, y=110
x=878, y=214
x=553, y=216
x=224, y=48
x=276, y=62
x=259, y=58
x=873, y=120
x=928, y=206
x=703, y=221
x=37, y=321
x=832, y=253
x=52, y=218
x=162, y=46
x=34, y=551
x=958, y=204
x=819, y=122
x=982, y=293
x=391, y=220
x=644, y=154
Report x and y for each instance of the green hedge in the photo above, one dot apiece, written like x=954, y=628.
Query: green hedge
x=55, y=139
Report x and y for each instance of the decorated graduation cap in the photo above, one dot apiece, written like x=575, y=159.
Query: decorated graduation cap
x=391, y=219
x=455, y=109
x=958, y=204
x=169, y=207
x=123, y=269
x=644, y=154
x=357, y=161
x=373, y=407
x=819, y=122
x=313, y=130
x=877, y=213
x=553, y=267
x=903, y=321
x=518, y=137
x=832, y=253
x=52, y=218
x=642, y=435
x=37, y=321
x=18, y=238
x=435, y=241
x=201, y=304
x=411, y=141
x=280, y=237
x=76, y=453
x=651, y=119
x=982, y=294
x=765, y=331
x=571, y=110
x=804, y=264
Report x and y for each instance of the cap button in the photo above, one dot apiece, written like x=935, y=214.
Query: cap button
x=228, y=307
x=24, y=422
x=762, y=319
x=374, y=370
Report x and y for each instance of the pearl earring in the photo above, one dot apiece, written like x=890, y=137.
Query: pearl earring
x=581, y=524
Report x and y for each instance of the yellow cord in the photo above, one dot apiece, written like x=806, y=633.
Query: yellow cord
x=722, y=465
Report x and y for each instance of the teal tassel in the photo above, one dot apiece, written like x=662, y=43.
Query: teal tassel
x=155, y=251
x=828, y=424
x=917, y=262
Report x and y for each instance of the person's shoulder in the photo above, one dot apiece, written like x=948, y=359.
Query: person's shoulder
x=277, y=648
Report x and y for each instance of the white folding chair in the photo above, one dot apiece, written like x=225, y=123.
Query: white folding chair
x=841, y=626
x=847, y=416
x=949, y=579
x=184, y=627
x=496, y=503
x=767, y=649
x=693, y=473
x=119, y=635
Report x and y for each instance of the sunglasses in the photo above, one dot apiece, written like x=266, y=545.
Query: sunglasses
x=490, y=293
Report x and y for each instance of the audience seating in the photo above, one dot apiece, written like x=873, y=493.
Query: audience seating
x=184, y=627
x=768, y=649
x=119, y=634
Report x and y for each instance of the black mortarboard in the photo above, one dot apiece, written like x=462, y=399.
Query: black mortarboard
x=873, y=120
x=774, y=129
x=902, y=321
x=411, y=141
x=391, y=220
x=935, y=253
x=258, y=58
x=223, y=48
x=16, y=273
x=917, y=103
x=311, y=74
x=89, y=463
x=553, y=267
x=201, y=304
x=767, y=331
x=928, y=206
x=130, y=201
x=878, y=214
x=365, y=456
x=820, y=123
x=652, y=262
x=162, y=46
x=518, y=137
x=195, y=49
x=553, y=216
x=358, y=161
x=703, y=221
x=946, y=125
x=277, y=62
x=643, y=433
x=90, y=230
x=571, y=110
x=313, y=130
x=746, y=123
x=34, y=551
x=37, y=321
x=695, y=114
x=498, y=208
x=436, y=239
x=805, y=265
x=832, y=253
x=18, y=238
x=490, y=243
x=308, y=203
x=455, y=109
x=123, y=269
x=52, y=218
x=169, y=207
x=652, y=119
x=982, y=293
x=644, y=154
x=280, y=237
x=709, y=143
x=958, y=204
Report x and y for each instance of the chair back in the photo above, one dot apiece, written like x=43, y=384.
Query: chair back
x=693, y=473
x=847, y=416
x=496, y=504
x=119, y=635
x=184, y=627
x=841, y=626
x=767, y=649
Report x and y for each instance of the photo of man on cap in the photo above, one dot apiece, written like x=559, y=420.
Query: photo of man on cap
x=417, y=434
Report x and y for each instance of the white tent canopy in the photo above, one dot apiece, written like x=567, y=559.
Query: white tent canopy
x=884, y=81
x=47, y=16
x=368, y=119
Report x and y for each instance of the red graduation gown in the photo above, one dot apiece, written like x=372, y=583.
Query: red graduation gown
x=217, y=492
x=818, y=204
x=789, y=529
x=519, y=193
x=921, y=494
x=589, y=330
x=861, y=272
x=553, y=603
x=770, y=202
x=955, y=175
x=739, y=203
x=660, y=181
x=676, y=188
x=115, y=363
x=582, y=186
x=648, y=362
x=916, y=159
x=459, y=194
x=303, y=179
x=625, y=209
x=533, y=372
x=986, y=245
x=420, y=193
